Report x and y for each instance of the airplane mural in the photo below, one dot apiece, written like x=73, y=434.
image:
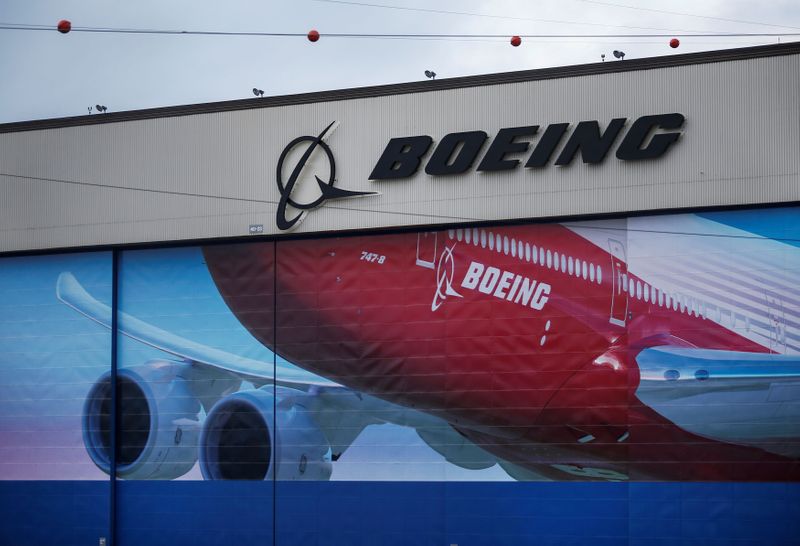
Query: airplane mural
x=651, y=348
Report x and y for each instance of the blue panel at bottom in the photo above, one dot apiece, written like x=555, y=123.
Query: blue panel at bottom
x=403, y=513
x=67, y=513
x=544, y=514
x=491, y=514
x=196, y=513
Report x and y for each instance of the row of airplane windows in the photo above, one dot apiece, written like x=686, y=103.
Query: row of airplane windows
x=579, y=268
x=589, y=271
x=678, y=302
x=529, y=253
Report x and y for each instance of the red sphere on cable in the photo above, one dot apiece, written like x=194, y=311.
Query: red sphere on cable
x=313, y=35
x=515, y=41
x=64, y=26
x=674, y=43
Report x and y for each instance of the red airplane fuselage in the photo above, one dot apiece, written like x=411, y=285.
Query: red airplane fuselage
x=523, y=338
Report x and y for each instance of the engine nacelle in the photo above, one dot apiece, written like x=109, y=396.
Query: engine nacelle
x=241, y=440
x=158, y=422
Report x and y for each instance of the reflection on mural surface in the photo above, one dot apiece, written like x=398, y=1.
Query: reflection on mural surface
x=653, y=348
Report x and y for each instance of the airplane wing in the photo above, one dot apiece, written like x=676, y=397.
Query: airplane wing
x=339, y=411
x=737, y=397
x=71, y=293
x=712, y=368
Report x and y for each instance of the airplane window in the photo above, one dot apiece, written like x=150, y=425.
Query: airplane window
x=513, y=246
x=527, y=252
x=624, y=282
x=555, y=260
x=467, y=236
x=638, y=290
x=599, y=275
x=491, y=241
x=646, y=292
x=660, y=298
x=549, y=259
x=483, y=239
x=675, y=302
x=459, y=234
x=591, y=272
x=571, y=265
x=451, y=233
x=505, y=245
x=499, y=243
x=519, y=249
x=536, y=254
x=475, y=236
x=563, y=264
x=584, y=270
x=653, y=294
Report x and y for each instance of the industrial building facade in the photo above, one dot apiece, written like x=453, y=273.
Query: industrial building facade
x=545, y=307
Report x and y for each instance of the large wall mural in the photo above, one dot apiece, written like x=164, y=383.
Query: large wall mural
x=660, y=348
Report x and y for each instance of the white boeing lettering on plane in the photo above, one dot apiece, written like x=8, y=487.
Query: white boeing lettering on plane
x=506, y=285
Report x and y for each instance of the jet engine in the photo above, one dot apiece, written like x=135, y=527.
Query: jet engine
x=157, y=423
x=258, y=435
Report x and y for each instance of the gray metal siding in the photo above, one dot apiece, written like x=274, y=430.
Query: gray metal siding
x=211, y=175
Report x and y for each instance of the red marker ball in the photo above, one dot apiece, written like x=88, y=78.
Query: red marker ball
x=515, y=41
x=313, y=35
x=674, y=43
x=64, y=26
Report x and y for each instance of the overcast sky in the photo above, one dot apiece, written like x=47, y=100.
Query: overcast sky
x=46, y=74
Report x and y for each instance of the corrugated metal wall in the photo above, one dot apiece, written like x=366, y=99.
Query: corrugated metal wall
x=213, y=175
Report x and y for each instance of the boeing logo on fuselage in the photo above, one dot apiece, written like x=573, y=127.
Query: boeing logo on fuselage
x=326, y=188
x=506, y=285
x=445, y=272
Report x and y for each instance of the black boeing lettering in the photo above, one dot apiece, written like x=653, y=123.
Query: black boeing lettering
x=631, y=147
x=465, y=146
x=587, y=138
x=503, y=145
x=401, y=158
x=547, y=145
x=649, y=137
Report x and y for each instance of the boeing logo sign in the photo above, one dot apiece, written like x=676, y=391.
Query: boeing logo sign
x=648, y=137
x=326, y=187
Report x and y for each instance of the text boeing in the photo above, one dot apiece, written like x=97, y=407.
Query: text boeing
x=649, y=137
x=506, y=285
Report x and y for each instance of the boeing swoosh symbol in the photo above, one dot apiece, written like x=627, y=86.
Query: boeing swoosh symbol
x=327, y=189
